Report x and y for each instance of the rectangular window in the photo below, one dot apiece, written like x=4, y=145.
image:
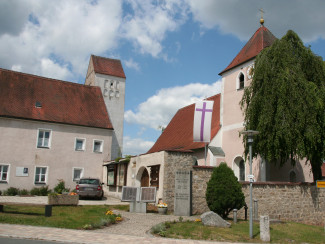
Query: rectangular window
x=77, y=174
x=98, y=146
x=44, y=138
x=4, y=173
x=111, y=175
x=80, y=144
x=121, y=175
x=40, y=175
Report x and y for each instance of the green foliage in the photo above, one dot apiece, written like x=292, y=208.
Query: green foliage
x=40, y=191
x=159, y=229
x=224, y=193
x=285, y=103
x=12, y=191
x=23, y=192
x=60, y=187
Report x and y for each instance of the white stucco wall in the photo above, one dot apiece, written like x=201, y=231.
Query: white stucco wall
x=18, y=143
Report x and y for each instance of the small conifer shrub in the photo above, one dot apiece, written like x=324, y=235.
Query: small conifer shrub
x=224, y=192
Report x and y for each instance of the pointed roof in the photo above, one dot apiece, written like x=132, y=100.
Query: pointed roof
x=178, y=135
x=108, y=66
x=261, y=39
x=31, y=97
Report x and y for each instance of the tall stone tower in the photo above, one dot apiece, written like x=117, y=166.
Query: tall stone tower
x=109, y=75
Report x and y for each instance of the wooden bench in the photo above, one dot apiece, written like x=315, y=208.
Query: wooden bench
x=48, y=207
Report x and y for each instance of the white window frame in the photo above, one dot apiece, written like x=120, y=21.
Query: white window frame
x=83, y=144
x=1, y=173
x=46, y=175
x=101, y=146
x=49, y=141
x=81, y=173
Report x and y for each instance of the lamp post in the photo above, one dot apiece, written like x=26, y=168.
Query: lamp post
x=250, y=134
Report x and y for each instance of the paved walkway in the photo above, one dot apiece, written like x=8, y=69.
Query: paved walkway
x=133, y=229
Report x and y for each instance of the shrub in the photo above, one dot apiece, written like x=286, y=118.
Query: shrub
x=224, y=193
x=12, y=191
x=60, y=187
x=40, y=191
x=23, y=192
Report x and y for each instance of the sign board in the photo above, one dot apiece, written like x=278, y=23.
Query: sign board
x=130, y=194
x=148, y=194
x=320, y=183
x=183, y=193
x=21, y=171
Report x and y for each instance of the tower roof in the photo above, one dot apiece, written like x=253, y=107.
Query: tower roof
x=261, y=39
x=108, y=66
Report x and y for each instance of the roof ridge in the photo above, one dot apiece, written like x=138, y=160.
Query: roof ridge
x=45, y=78
x=105, y=57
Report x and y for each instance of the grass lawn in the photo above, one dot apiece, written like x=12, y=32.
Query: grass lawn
x=71, y=217
x=280, y=233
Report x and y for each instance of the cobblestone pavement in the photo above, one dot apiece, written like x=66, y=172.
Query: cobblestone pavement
x=134, y=229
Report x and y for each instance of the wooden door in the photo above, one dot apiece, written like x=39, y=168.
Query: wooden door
x=145, y=178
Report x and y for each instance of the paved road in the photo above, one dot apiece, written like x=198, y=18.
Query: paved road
x=134, y=229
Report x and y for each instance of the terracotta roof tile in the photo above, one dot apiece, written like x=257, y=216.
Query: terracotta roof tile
x=178, y=135
x=61, y=102
x=108, y=66
x=261, y=39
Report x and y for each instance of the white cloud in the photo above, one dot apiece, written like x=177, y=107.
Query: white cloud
x=135, y=146
x=306, y=18
x=132, y=64
x=160, y=108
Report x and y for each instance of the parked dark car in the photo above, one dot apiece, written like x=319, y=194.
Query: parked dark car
x=90, y=187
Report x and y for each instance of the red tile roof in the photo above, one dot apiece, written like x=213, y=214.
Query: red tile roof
x=178, y=135
x=261, y=39
x=62, y=102
x=107, y=66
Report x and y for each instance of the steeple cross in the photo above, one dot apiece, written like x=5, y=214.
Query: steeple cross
x=262, y=20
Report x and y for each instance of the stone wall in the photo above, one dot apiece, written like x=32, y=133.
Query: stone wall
x=299, y=202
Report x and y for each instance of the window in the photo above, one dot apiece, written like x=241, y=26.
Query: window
x=121, y=175
x=111, y=175
x=242, y=170
x=292, y=176
x=44, y=138
x=80, y=144
x=77, y=174
x=40, y=175
x=98, y=146
x=4, y=173
x=240, y=83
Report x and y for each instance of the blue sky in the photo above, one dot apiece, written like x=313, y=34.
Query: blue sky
x=171, y=50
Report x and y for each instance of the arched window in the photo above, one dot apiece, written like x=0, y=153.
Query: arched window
x=242, y=170
x=241, y=81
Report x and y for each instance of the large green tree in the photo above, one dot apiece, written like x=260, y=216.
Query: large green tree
x=286, y=104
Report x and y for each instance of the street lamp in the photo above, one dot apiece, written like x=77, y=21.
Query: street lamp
x=250, y=134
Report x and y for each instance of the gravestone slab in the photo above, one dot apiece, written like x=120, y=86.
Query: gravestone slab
x=138, y=207
x=130, y=194
x=148, y=194
x=265, y=228
x=183, y=193
x=213, y=219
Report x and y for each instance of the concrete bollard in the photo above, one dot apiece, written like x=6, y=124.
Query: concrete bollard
x=235, y=216
x=265, y=228
x=255, y=216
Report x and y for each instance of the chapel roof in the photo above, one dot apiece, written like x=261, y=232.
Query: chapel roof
x=178, y=135
x=26, y=96
x=261, y=39
x=108, y=66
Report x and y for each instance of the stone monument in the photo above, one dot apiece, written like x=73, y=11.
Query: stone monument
x=183, y=193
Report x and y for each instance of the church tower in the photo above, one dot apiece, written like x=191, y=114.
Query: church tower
x=235, y=77
x=109, y=75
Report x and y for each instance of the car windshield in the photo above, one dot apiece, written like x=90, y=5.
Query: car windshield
x=89, y=181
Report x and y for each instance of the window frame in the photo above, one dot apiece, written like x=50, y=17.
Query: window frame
x=49, y=139
x=101, y=145
x=83, y=144
x=8, y=173
x=238, y=87
x=81, y=173
x=46, y=175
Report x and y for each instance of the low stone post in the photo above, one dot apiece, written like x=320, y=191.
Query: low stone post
x=265, y=228
x=235, y=216
x=255, y=209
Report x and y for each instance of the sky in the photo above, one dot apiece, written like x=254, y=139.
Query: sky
x=171, y=50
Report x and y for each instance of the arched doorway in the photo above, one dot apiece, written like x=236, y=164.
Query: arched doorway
x=239, y=168
x=145, y=178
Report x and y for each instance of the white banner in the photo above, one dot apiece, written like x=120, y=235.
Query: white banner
x=202, y=121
